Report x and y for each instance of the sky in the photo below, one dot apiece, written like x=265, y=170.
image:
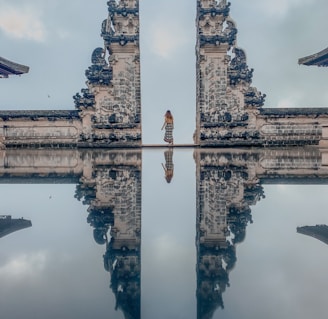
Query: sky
x=55, y=38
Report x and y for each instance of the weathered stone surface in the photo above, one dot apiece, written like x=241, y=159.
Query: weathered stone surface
x=226, y=103
x=229, y=111
x=111, y=105
x=108, y=110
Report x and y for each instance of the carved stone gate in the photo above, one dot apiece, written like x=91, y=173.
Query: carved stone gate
x=229, y=111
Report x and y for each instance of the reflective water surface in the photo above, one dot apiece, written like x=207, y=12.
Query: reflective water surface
x=163, y=233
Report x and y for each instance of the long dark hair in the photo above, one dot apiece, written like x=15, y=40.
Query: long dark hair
x=168, y=114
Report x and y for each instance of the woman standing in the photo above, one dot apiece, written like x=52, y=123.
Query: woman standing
x=169, y=126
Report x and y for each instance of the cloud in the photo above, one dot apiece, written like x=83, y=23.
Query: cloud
x=166, y=39
x=22, y=22
x=280, y=8
x=287, y=102
x=290, y=98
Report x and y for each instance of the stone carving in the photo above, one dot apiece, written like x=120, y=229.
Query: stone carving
x=254, y=98
x=100, y=72
x=214, y=7
x=214, y=31
x=123, y=23
x=108, y=111
x=238, y=69
x=113, y=92
x=224, y=79
x=87, y=99
x=229, y=110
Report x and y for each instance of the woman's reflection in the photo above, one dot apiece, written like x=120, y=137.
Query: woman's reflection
x=169, y=166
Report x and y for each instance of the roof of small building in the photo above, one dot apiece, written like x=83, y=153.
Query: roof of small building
x=11, y=68
x=9, y=225
x=319, y=232
x=318, y=59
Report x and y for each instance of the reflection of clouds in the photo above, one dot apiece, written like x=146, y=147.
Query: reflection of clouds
x=167, y=246
x=287, y=102
x=24, y=265
x=282, y=188
x=287, y=272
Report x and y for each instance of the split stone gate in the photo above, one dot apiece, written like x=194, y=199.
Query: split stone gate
x=229, y=111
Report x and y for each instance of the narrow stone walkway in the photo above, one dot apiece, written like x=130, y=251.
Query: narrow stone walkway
x=169, y=145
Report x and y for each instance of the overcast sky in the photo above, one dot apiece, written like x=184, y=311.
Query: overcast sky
x=56, y=38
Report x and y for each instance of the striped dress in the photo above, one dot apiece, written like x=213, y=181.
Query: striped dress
x=168, y=137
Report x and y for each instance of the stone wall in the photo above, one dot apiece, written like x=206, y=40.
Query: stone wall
x=39, y=129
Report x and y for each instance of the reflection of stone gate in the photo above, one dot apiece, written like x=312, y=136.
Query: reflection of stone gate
x=228, y=183
x=113, y=193
x=110, y=184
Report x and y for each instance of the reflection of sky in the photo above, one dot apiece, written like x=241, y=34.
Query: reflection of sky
x=168, y=280
x=280, y=273
x=54, y=269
